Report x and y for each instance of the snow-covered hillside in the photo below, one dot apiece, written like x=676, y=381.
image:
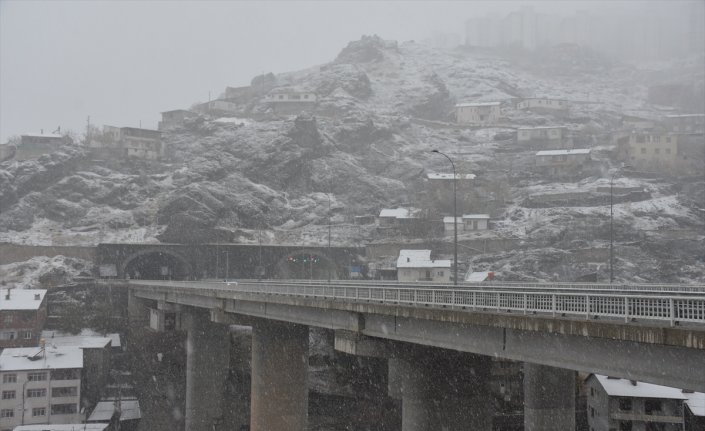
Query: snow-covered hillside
x=382, y=106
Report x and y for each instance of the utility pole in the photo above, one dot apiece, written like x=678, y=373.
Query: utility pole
x=330, y=258
x=612, y=229
x=227, y=264
x=455, y=218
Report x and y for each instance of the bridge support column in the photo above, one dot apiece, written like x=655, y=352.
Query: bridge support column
x=137, y=313
x=279, y=400
x=207, y=363
x=549, y=398
x=445, y=390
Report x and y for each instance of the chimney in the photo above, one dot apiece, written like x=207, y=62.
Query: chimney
x=7, y=296
x=633, y=382
x=37, y=297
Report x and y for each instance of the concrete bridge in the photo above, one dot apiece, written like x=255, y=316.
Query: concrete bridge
x=438, y=340
x=198, y=261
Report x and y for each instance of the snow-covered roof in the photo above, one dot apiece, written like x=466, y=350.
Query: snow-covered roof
x=627, y=388
x=563, y=152
x=399, y=212
x=43, y=135
x=58, y=338
x=447, y=176
x=104, y=410
x=18, y=359
x=476, y=277
x=21, y=299
x=696, y=402
x=685, y=115
x=476, y=216
x=463, y=105
x=62, y=427
x=449, y=219
x=541, y=127
x=419, y=259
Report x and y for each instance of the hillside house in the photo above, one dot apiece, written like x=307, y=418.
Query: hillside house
x=287, y=101
x=660, y=151
x=633, y=122
x=127, y=407
x=41, y=385
x=620, y=404
x=394, y=217
x=23, y=313
x=417, y=265
x=466, y=223
x=175, y=119
x=478, y=113
x=218, y=107
x=127, y=142
x=562, y=163
x=543, y=104
x=685, y=123
x=545, y=136
x=34, y=145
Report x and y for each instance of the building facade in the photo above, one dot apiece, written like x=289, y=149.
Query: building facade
x=478, y=113
x=562, y=163
x=128, y=142
x=34, y=145
x=23, y=313
x=615, y=404
x=547, y=136
x=685, y=123
x=290, y=101
x=417, y=265
x=175, y=119
x=40, y=386
x=543, y=104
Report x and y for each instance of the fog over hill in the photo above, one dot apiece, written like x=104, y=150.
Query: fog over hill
x=381, y=107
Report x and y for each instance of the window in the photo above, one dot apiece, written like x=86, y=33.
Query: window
x=625, y=426
x=70, y=391
x=27, y=335
x=66, y=374
x=7, y=413
x=668, y=151
x=657, y=151
x=63, y=409
x=8, y=319
x=8, y=395
x=9, y=378
x=652, y=406
x=39, y=411
x=592, y=391
x=37, y=376
x=440, y=273
x=36, y=393
x=7, y=335
x=643, y=151
x=625, y=404
x=640, y=139
x=592, y=412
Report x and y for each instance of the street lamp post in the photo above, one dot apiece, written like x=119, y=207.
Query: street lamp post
x=329, y=255
x=455, y=218
x=612, y=228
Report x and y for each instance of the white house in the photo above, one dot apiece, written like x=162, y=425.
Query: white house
x=617, y=404
x=417, y=265
x=543, y=104
x=397, y=216
x=476, y=222
x=477, y=113
x=40, y=385
x=562, y=163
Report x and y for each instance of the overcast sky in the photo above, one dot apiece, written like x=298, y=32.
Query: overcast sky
x=123, y=62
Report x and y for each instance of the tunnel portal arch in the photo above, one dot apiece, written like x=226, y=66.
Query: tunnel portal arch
x=156, y=264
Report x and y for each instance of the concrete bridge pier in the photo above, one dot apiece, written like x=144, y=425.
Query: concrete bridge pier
x=445, y=390
x=207, y=363
x=279, y=398
x=549, y=398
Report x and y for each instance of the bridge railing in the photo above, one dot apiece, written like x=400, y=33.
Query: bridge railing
x=586, y=304
x=493, y=285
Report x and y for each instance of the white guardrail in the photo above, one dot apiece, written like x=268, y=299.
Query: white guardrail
x=628, y=306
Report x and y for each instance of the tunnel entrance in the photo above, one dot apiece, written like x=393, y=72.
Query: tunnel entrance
x=306, y=265
x=157, y=265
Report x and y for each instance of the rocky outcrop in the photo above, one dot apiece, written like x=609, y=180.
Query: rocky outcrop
x=369, y=49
